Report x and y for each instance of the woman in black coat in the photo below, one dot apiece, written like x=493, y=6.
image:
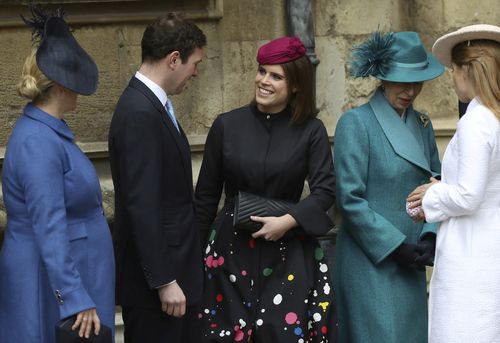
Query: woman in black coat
x=272, y=285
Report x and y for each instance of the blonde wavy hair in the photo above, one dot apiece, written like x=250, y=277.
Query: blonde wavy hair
x=482, y=60
x=34, y=85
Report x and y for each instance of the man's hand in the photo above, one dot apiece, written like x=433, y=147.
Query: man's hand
x=173, y=300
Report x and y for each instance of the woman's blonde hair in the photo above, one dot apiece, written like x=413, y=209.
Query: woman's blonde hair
x=482, y=60
x=34, y=85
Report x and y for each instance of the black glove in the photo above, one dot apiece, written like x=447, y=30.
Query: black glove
x=426, y=248
x=406, y=256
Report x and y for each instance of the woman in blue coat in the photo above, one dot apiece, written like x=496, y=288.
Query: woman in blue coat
x=383, y=150
x=57, y=257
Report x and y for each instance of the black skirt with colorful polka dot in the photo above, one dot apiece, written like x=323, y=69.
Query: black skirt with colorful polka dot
x=262, y=291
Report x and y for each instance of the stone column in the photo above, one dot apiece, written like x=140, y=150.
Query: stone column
x=300, y=23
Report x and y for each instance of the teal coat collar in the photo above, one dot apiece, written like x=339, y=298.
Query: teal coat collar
x=405, y=138
x=55, y=124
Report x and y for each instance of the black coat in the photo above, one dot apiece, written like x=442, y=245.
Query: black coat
x=267, y=155
x=273, y=291
x=154, y=236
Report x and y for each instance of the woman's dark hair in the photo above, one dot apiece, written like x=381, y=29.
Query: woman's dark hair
x=170, y=33
x=299, y=75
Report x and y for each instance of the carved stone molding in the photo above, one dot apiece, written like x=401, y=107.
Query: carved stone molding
x=84, y=12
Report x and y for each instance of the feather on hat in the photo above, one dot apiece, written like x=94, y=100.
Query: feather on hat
x=39, y=19
x=372, y=57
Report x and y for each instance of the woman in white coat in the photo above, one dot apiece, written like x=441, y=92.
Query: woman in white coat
x=465, y=287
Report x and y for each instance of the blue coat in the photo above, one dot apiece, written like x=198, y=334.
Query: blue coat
x=57, y=256
x=379, y=160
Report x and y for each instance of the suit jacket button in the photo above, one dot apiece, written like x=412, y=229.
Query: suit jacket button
x=59, y=296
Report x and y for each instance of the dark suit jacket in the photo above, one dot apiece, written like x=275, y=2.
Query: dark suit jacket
x=154, y=233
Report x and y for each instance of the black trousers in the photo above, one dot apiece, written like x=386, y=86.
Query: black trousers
x=147, y=325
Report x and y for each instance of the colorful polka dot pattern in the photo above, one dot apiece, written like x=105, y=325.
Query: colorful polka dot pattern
x=312, y=327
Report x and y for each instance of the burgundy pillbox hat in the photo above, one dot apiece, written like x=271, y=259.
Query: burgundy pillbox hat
x=281, y=50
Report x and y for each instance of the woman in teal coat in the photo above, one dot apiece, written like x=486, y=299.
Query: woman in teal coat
x=383, y=149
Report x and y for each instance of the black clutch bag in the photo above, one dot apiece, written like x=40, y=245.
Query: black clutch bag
x=248, y=204
x=64, y=334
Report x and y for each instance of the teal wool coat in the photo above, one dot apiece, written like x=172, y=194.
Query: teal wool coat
x=379, y=160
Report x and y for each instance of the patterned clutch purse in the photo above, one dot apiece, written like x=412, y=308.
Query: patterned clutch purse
x=248, y=204
x=413, y=212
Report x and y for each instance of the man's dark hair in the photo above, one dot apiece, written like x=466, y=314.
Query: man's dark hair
x=171, y=33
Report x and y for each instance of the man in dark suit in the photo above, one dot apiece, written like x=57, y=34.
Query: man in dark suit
x=158, y=254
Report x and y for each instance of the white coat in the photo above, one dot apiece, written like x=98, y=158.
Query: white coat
x=464, y=301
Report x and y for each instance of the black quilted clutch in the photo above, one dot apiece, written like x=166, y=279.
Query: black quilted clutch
x=248, y=204
x=64, y=334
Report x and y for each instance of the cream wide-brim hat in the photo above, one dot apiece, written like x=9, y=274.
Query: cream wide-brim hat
x=443, y=46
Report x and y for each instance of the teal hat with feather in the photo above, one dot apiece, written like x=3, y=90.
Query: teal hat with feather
x=394, y=56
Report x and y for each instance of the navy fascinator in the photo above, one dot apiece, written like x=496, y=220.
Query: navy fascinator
x=59, y=56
